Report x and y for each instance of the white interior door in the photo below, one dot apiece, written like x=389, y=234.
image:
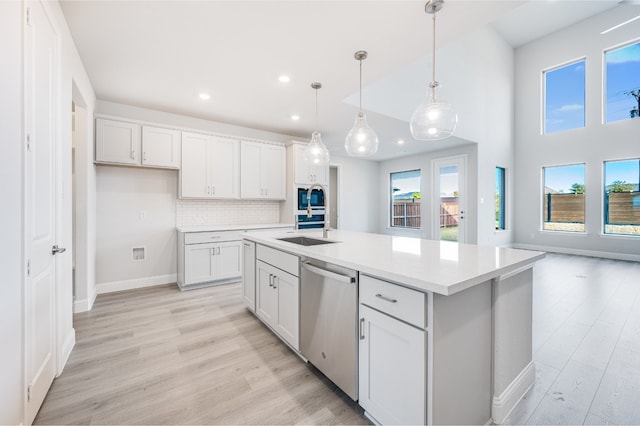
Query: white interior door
x=449, y=199
x=41, y=74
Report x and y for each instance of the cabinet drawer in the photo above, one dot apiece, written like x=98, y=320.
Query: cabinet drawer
x=281, y=260
x=400, y=302
x=211, y=237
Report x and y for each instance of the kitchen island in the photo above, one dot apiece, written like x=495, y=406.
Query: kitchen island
x=443, y=329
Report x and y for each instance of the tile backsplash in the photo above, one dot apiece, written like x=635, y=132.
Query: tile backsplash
x=226, y=212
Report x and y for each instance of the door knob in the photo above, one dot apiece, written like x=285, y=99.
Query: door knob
x=55, y=249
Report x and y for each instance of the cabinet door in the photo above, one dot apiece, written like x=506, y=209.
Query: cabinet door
x=117, y=142
x=198, y=263
x=160, y=147
x=392, y=378
x=250, y=166
x=228, y=260
x=267, y=297
x=224, y=168
x=288, y=288
x=274, y=171
x=249, y=274
x=306, y=174
x=193, y=172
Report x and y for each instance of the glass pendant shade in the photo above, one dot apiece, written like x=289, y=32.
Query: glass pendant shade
x=316, y=153
x=361, y=141
x=433, y=119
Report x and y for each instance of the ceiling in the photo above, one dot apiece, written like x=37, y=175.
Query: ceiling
x=162, y=54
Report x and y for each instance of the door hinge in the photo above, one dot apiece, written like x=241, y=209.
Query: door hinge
x=28, y=393
x=29, y=142
x=28, y=16
x=28, y=268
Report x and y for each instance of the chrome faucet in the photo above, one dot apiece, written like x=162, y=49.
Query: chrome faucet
x=325, y=227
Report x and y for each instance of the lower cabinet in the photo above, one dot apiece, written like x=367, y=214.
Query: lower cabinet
x=392, y=362
x=277, y=301
x=249, y=274
x=212, y=262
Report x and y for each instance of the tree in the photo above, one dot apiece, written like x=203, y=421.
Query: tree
x=577, y=188
x=620, y=186
x=635, y=112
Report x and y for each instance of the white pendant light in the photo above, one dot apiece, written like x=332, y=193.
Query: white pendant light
x=316, y=153
x=433, y=119
x=361, y=141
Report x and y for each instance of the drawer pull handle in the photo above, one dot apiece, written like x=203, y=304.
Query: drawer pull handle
x=361, y=328
x=386, y=299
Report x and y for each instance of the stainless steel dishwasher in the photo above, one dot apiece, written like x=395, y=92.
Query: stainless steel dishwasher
x=328, y=322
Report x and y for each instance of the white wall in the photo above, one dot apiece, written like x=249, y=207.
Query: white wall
x=136, y=208
x=592, y=145
x=11, y=389
x=423, y=163
x=357, y=193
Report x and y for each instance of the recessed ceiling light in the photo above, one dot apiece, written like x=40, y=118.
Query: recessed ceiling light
x=295, y=117
x=400, y=141
x=204, y=96
x=284, y=79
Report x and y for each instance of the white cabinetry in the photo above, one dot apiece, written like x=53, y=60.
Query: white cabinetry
x=263, y=171
x=392, y=353
x=160, y=147
x=202, y=261
x=210, y=167
x=278, y=287
x=307, y=174
x=249, y=274
x=119, y=142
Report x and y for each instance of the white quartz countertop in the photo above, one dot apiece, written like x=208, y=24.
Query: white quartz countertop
x=427, y=265
x=213, y=228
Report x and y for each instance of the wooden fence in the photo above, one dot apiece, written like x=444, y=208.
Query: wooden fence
x=563, y=208
x=622, y=208
x=407, y=213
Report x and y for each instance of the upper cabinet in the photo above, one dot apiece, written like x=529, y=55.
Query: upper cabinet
x=119, y=142
x=210, y=167
x=263, y=171
x=307, y=174
x=160, y=147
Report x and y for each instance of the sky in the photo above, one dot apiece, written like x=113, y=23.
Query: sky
x=561, y=178
x=410, y=181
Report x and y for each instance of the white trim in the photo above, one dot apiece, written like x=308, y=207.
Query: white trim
x=65, y=351
x=502, y=404
x=85, y=305
x=579, y=252
x=113, y=286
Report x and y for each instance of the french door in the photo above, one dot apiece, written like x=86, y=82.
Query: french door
x=449, y=199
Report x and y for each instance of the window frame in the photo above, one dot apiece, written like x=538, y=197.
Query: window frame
x=390, y=223
x=605, y=77
x=603, y=201
x=543, y=95
x=542, y=196
x=501, y=208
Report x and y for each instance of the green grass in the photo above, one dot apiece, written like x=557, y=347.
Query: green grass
x=449, y=234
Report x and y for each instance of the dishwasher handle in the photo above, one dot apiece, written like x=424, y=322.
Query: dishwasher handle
x=328, y=274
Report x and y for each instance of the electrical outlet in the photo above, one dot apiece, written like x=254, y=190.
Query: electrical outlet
x=137, y=254
x=143, y=215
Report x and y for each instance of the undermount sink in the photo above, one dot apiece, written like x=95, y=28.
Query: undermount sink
x=305, y=241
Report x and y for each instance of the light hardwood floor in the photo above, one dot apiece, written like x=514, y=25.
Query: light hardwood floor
x=161, y=356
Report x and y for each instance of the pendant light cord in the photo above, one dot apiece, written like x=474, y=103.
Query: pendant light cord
x=434, y=83
x=360, y=86
x=316, y=110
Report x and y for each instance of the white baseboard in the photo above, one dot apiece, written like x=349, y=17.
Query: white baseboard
x=110, y=287
x=505, y=402
x=65, y=350
x=579, y=252
x=85, y=305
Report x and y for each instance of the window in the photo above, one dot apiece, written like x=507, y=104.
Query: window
x=500, y=197
x=623, y=83
x=563, y=199
x=405, y=199
x=622, y=197
x=564, y=90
